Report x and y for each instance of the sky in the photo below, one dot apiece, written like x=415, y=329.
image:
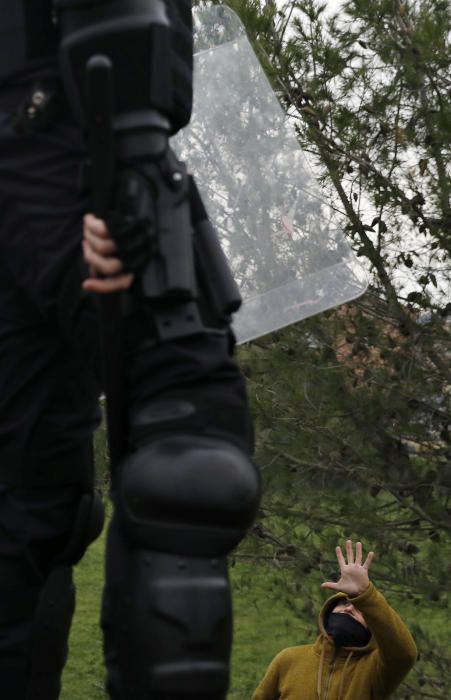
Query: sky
x=332, y=5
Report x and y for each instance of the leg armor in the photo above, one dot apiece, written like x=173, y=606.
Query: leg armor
x=187, y=490
x=183, y=501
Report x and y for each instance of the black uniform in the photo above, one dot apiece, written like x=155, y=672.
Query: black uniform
x=50, y=373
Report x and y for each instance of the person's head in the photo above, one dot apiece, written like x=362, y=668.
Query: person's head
x=345, y=607
x=346, y=626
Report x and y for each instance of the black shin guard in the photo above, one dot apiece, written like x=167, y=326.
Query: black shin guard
x=183, y=502
x=169, y=629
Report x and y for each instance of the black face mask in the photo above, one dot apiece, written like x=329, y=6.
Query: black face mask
x=347, y=632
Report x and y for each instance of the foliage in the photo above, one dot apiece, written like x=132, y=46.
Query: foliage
x=328, y=475
x=257, y=635
x=353, y=408
x=265, y=621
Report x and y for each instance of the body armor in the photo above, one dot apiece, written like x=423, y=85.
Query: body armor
x=28, y=41
x=184, y=486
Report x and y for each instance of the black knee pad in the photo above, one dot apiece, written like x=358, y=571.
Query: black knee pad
x=187, y=494
x=183, y=501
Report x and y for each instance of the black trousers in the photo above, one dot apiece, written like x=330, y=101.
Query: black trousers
x=50, y=380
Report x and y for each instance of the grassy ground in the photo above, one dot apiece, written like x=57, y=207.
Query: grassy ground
x=261, y=629
x=84, y=675
x=263, y=626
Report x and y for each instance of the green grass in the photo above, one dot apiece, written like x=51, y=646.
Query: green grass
x=84, y=674
x=263, y=626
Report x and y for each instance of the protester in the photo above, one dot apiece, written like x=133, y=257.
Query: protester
x=363, y=651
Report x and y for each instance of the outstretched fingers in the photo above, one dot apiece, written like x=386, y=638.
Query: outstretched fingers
x=358, y=553
x=349, y=552
x=330, y=584
x=368, y=560
x=340, y=558
x=354, y=578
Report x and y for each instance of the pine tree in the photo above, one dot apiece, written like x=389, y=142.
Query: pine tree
x=353, y=407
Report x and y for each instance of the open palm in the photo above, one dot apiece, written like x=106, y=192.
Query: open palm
x=354, y=578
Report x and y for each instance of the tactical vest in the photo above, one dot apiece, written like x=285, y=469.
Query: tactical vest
x=27, y=36
x=29, y=47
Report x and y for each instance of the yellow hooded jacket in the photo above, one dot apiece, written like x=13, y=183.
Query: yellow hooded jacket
x=323, y=671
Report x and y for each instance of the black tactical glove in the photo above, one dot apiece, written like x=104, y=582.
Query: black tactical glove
x=131, y=223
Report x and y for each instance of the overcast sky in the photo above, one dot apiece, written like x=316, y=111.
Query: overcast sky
x=333, y=5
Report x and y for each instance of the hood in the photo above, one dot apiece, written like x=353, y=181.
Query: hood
x=322, y=621
x=329, y=653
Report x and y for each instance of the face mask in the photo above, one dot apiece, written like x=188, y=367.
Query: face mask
x=347, y=632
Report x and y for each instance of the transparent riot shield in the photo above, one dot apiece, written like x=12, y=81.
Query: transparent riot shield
x=286, y=253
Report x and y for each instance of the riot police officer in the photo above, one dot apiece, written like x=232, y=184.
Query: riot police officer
x=185, y=490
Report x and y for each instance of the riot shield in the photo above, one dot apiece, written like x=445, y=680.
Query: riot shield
x=287, y=255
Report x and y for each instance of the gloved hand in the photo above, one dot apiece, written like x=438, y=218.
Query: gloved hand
x=131, y=223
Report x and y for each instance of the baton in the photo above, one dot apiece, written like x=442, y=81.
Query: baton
x=99, y=94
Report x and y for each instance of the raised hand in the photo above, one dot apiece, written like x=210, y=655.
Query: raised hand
x=354, y=578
